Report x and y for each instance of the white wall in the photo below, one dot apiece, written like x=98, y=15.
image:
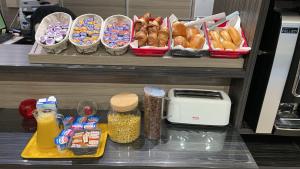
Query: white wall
x=203, y=7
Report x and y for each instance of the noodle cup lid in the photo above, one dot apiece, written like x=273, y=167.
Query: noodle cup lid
x=154, y=91
x=124, y=102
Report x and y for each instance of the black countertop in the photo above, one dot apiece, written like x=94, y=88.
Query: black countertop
x=271, y=151
x=180, y=146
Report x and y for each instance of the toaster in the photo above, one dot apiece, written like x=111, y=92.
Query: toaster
x=199, y=107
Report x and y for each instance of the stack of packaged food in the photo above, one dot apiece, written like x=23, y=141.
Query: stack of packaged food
x=78, y=134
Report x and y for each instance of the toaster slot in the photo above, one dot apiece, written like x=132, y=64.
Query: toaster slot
x=198, y=94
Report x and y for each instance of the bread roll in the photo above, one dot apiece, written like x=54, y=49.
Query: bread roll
x=235, y=35
x=197, y=41
x=217, y=44
x=178, y=29
x=215, y=35
x=228, y=45
x=191, y=31
x=225, y=35
x=180, y=40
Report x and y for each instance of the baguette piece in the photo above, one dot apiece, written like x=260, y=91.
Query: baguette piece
x=215, y=36
x=217, y=44
x=228, y=45
x=225, y=35
x=235, y=35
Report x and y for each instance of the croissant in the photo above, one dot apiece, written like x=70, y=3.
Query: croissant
x=147, y=16
x=163, y=36
x=153, y=39
x=141, y=36
x=153, y=26
x=141, y=22
x=156, y=21
x=144, y=28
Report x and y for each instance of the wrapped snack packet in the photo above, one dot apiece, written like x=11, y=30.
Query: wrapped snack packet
x=93, y=119
x=68, y=121
x=67, y=132
x=77, y=126
x=81, y=119
x=89, y=126
x=61, y=142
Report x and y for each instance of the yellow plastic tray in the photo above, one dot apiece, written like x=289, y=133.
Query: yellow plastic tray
x=31, y=151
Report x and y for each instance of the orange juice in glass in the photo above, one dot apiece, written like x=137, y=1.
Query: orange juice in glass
x=47, y=128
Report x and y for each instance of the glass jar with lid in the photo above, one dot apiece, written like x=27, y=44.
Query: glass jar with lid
x=124, y=118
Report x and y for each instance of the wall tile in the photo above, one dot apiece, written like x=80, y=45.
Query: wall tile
x=182, y=8
x=101, y=7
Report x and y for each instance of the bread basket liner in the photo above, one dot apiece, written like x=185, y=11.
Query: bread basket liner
x=50, y=19
x=85, y=49
x=236, y=23
x=134, y=43
x=121, y=50
x=196, y=23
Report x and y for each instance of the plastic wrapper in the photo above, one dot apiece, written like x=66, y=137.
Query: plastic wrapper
x=85, y=142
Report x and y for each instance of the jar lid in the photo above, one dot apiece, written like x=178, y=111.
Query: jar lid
x=154, y=91
x=124, y=102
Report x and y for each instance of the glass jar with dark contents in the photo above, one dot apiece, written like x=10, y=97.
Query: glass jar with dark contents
x=153, y=109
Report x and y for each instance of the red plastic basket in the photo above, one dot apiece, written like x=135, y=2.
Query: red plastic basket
x=224, y=53
x=148, y=52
